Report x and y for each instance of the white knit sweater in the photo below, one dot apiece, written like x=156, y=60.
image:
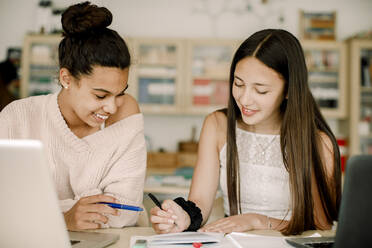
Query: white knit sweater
x=111, y=161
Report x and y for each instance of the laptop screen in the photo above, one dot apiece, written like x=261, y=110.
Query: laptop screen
x=29, y=211
x=355, y=218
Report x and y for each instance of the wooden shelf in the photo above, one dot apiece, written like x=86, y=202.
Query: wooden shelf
x=328, y=66
x=366, y=89
x=156, y=76
x=329, y=70
x=151, y=55
x=36, y=62
x=185, y=53
x=208, y=60
x=356, y=90
x=211, y=77
x=159, y=64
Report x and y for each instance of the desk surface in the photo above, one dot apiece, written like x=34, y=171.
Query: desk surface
x=128, y=232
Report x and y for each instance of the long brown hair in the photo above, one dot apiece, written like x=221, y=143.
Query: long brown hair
x=299, y=135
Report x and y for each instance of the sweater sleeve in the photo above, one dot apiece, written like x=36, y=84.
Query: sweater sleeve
x=20, y=118
x=125, y=180
x=5, y=122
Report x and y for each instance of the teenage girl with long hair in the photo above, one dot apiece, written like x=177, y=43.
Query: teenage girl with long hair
x=271, y=151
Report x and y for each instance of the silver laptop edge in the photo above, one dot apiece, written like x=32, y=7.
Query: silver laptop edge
x=29, y=210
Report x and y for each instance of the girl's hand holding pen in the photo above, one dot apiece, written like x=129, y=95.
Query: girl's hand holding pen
x=86, y=213
x=170, y=218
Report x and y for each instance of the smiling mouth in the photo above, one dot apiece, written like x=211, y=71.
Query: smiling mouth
x=102, y=117
x=246, y=111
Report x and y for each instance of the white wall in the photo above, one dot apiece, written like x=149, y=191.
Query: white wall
x=178, y=18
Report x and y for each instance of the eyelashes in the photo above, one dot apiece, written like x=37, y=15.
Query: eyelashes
x=242, y=85
x=238, y=85
x=103, y=97
x=100, y=97
x=261, y=92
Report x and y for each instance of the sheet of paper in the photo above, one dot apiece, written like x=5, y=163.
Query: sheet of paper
x=240, y=240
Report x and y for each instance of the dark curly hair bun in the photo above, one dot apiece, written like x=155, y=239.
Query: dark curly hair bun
x=88, y=42
x=85, y=17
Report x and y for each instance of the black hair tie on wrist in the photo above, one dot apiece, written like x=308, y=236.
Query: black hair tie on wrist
x=193, y=211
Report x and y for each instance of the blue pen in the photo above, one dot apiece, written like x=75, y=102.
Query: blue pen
x=122, y=206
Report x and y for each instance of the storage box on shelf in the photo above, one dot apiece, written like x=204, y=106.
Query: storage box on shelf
x=39, y=65
x=361, y=96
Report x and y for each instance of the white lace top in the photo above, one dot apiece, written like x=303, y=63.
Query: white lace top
x=264, y=181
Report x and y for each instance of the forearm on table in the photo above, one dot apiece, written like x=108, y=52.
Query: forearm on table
x=264, y=222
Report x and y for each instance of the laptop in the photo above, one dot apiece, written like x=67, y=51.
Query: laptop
x=355, y=217
x=29, y=212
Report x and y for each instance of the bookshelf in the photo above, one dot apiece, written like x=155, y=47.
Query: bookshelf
x=208, y=68
x=327, y=72
x=39, y=65
x=167, y=75
x=157, y=73
x=179, y=76
x=360, y=96
x=326, y=62
x=188, y=76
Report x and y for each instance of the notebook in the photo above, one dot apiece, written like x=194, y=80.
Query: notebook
x=355, y=217
x=29, y=212
x=180, y=240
